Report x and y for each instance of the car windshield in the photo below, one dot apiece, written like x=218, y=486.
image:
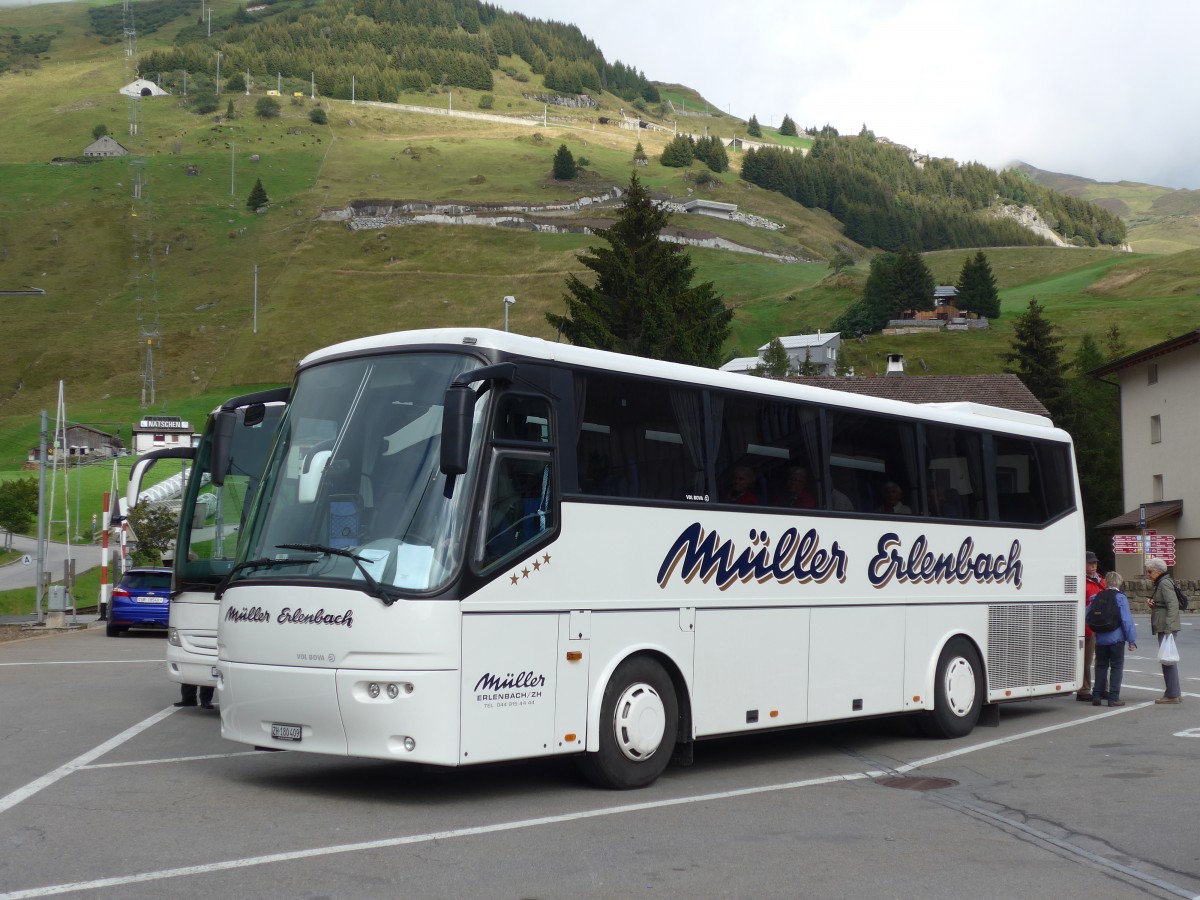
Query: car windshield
x=147, y=581
x=356, y=468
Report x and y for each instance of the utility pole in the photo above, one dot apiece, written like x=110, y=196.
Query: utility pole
x=255, y=328
x=41, y=529
x=218, y=59
x=232, y=166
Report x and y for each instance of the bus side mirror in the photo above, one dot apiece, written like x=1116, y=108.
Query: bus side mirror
x=222, y=446
x=254, y=414
x=458, y=412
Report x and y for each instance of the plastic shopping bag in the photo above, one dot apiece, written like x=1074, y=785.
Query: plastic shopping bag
x=1168, y=653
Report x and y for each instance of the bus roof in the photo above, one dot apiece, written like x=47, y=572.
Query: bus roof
x=968, y=413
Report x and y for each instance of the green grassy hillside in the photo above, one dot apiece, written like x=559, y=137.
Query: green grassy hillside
x=181, y=259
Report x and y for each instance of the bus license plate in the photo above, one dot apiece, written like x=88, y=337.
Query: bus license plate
x=285, y=732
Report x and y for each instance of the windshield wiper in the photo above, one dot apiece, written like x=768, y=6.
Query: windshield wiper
x=374, y=588
x=254, y=564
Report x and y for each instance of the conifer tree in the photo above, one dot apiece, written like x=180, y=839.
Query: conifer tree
x=1036, y=358
x=1095, y=406
x=258, y=196
x=977, y=287
x=775, y=361
x=787, y=126
x=642, y=300
x=753, y=128
x=564, y=164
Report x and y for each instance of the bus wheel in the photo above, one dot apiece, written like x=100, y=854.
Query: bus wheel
x=639, y=720
x=958, y=692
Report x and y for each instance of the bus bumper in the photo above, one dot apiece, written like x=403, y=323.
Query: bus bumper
x=378, y=714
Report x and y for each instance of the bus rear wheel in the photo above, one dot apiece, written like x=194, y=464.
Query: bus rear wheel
x=958, y=692
x=639, y=721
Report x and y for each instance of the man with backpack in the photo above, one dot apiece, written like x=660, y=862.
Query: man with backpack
x=1109, y=618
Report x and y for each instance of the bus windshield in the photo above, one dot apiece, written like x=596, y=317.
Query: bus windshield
x=211, y=516
x=353, y=492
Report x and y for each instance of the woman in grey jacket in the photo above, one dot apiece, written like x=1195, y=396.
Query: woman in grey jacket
x=1164, y=620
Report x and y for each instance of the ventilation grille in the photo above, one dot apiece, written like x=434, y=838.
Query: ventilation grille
x=1032, y=644
x=1070, y=584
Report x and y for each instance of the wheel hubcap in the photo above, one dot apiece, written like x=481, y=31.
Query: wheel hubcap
x=640, y=720
x=960, y=686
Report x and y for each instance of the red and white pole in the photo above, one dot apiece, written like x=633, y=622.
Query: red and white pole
x=104, y=588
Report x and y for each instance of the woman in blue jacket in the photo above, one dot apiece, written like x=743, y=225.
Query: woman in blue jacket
x=1110, y=646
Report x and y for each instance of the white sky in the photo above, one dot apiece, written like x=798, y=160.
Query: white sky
x=1096, y=88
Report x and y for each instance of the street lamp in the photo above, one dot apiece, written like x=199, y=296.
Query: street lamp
x=508, y=301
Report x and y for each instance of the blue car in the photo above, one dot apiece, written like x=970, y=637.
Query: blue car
x=141, y=599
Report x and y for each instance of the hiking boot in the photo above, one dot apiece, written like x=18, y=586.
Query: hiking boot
x=184, y=703
x=1083, y=696
x=1165, y=700
x=1116, y=702
x=1097, y=701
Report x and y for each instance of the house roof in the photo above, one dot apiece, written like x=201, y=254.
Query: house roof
x=1149, y=353
x=945, y=290
x=1005, y=391
x=741, y=364
x=1154, y=512
x=797, y=341
x=105, y=141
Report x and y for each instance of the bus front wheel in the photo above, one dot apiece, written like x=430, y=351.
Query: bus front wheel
x=958, y=692
x=639, y=721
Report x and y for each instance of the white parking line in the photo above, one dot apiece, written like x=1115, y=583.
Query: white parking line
x=174, y=759
x=83, y=662
x=24, y=793
x=268, y=859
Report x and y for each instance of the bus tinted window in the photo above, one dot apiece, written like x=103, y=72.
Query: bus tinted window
x=640, y=439
x=954, y=473
x=769, y=453
x=1032, y=480
x=873, y=463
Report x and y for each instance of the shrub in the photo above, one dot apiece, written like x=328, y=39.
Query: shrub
x=204, y=104
x=317, y=116
x=267, y=108
x=487, y=101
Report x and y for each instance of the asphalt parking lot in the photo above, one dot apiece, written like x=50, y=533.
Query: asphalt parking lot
x=107, y=791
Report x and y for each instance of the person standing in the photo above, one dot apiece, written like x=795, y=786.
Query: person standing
x=1164, y=620
x=187, y=695
x=1110, y=645
x=1093, y=584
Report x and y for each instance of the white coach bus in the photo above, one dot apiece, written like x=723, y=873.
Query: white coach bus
x=215, y=501
x=473, y=546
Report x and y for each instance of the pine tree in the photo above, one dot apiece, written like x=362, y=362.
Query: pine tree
x=258, y=196
x=914, y=283
x=643, y=300
x=775, y=361
x=977, y=287
x=1036, y=358
x=564, y=164
x=1095, y=406
x=753, y=128
x=787, y=126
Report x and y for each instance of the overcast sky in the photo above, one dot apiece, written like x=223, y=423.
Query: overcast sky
x=1097, y=88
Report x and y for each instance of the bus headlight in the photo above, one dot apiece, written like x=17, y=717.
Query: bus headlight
x=409, y=744
x=173, y=637
x=393, y=691
x=373, y=690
